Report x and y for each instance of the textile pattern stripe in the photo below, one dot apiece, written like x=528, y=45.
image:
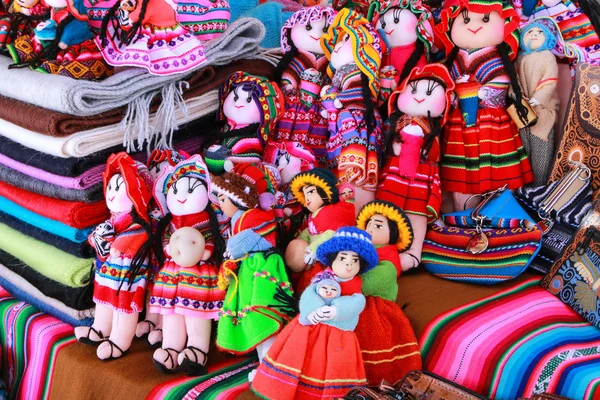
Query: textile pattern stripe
x=30, y=343
x=514, y=344
x=224, y=380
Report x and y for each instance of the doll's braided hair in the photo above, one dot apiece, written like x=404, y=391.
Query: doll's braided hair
x=141, y=256
x=286, y=59
x=126, y=37
x=369, y=104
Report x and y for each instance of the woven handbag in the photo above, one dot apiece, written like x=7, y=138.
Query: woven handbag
x=490, y=243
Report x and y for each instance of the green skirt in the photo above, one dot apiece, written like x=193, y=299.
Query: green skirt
x=257, y=305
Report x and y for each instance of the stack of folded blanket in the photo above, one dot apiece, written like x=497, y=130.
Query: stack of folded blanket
x=56, y=134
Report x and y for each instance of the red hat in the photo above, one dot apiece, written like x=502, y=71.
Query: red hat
x=274, y=150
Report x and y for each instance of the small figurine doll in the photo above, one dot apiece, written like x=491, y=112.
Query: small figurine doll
x=317, y=191
x=185, y=292
x=347, y=192
x=259, y=297
x=249, y=106
x=355, y=141
x=62, y=45
x=418, y=110
x=123, y=245
x=317, y=355
x=481, y=148
x=406, y=26
x=20, y=18
x=537, y=71
x=300, y=74
x=391, y=355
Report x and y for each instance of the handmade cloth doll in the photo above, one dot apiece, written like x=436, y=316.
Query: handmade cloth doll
x=123, y=246
x=317, y=355
x=410, y=179
x=61, y=45
x=249, y=106
x=406, y=26
x=300, y=74
x=187, y=295
x=538, y=78
x=387, y=341
x=355, y=139
x=259, y=296
x=20, y=18
x=317, y=191
x=157, y=162
x=347, y=192
x=481, y=147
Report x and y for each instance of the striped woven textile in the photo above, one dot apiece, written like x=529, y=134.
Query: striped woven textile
x=516, y=343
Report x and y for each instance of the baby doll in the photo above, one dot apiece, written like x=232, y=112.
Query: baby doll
x=259, y=296
x=62, y=45
x=187, y=295
x=481, y=149
x=355, y=139
x=538, y=78
x=387, y=340
x=120, y=281
x=317, y=191
x=300, y=74
x=317, y=355
x=20, y=18
x=250, y=107
x=418, y=110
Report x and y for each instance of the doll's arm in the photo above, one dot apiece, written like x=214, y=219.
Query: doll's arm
x=246, y=241
x=309, y=301
x=385, y=276
x=318, y=240
x=387, y=77
x=76, y=32
x=310, y=86
x=304, y=235
x=351, y=91
x=547, y=86
x=493, y=78
x=129, y=241
x=349, y=307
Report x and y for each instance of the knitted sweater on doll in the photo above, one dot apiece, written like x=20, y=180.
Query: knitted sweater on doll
x=381, y=281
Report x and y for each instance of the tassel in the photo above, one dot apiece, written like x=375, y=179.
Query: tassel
x=136, y=123
x=165, y=121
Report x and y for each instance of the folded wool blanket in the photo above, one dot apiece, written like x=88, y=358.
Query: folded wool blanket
x=18, y=287
x=77, y=249
x=47, y=224
x=45, y=259
x=75, y=298
x=273, y=14
x=75, y=214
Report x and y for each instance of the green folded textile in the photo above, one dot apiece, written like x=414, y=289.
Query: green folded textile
x=45, y=259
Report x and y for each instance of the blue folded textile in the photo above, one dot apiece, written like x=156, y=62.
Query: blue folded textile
x=271, y=14
x=47, y=224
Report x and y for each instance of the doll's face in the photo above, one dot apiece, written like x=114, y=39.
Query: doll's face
x=313, y=199
x=126, y=9
x=346, y=265
x=225, y=204
x=421, y=98
x=534, y=38
x=288, y=167
x=347, y=194
x=328, y=291
x=188, y=195
x=472, y=30
x=117, y=200
x=157, y=169
x=400, y=26
x=240, y=107
x=379, y=229
x=342, y=53
x=26, y=3
x=307, y=37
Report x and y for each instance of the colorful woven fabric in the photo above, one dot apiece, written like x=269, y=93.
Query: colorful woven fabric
x=515, y=343
x=207, y=19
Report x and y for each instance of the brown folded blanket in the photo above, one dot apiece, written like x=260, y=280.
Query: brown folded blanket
x=52, y=123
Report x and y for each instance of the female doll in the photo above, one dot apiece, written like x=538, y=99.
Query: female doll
x=418, y=110
x=481, y=149
x=347, y=192
x=355, y=140
x=249, y=106
x=317, y=355
x=259, y=296
x=387, y=341
x=20, y=18
x=406, y=26
x=538, y=78
x=61, y=45
x=120, y=281
x=317, y=191
x=300, y=74
x=187, y=296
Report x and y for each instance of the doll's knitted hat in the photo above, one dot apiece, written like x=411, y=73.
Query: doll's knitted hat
x=391, y=212
x=327, y=277
x=319, y=177
x=303, y=17
x=245, y=185
x=171, y=156
x=350, y=238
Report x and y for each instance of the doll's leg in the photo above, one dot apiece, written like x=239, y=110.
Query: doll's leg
x=362, y=197
x=121, y=336
x=412, y=257
x=194, y=357
x=173, y=341
x=262, y=350
x=156, y=336
x=461, y=198
x=447, y=203
x=149, y=323
x=100, y=329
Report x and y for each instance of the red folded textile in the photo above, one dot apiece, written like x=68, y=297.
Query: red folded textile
x=76, y=214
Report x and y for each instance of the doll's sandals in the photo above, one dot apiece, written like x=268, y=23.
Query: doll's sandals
x=114, y=347
x=192, y=366
x=86, y=339
x=151, y=326
x=170, y=360
x=155, y=334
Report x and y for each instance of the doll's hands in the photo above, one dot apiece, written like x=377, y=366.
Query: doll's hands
x=511, y=93
x=329, y=313
x=397, y=147
x=533, y=102
x=310, y=257
x=338, y=104
x=324, y=90
x=62, y=45
x=227, y=255
x=482, y=93
x=114, y=252
x=25, y=11
x=463, y=79
x=42, y=25
x=288, y=212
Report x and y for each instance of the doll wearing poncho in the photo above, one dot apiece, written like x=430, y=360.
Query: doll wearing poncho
x=20, y=21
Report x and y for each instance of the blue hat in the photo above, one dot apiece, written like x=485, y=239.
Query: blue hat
x=350, y=238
